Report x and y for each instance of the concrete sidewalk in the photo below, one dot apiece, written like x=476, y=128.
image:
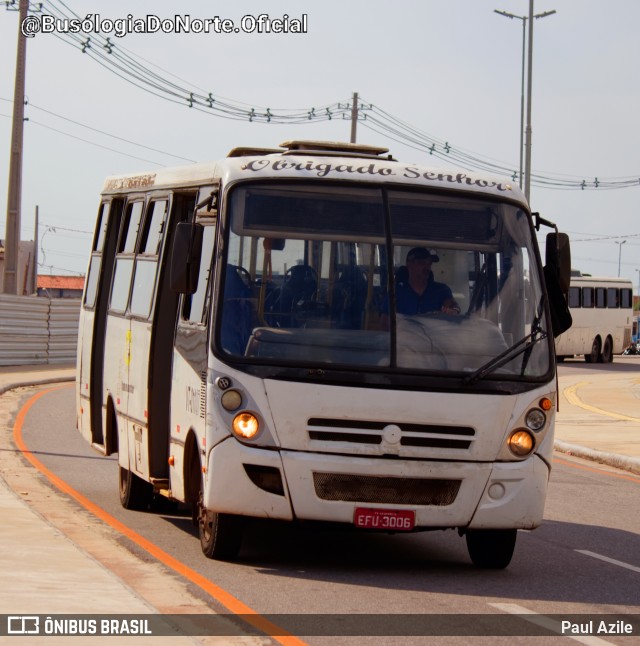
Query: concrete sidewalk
x=45, y=572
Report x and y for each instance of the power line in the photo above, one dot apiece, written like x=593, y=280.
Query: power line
x=406, y=134
x=133, y=69
x=83, y=125
x=108, y=134
x=92, y=143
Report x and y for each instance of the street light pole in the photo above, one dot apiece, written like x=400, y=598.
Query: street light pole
x=527, y=145
x=527, y=174
x=524, y=42
x=619, y=254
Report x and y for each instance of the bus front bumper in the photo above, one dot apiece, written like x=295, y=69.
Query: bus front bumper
x=486, y=495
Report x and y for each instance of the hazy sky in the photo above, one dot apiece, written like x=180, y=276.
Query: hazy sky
x=451, y=69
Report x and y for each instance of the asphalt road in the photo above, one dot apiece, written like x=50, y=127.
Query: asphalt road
x=585, y=559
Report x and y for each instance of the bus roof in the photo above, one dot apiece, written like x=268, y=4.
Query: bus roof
x=313, y=160
x=584, y=278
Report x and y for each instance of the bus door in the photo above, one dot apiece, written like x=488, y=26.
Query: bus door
x=189, y=370
x=117, y=388
x=152, y=309
x=163, y=326
x=93, y=324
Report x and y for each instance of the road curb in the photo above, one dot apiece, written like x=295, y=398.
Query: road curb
x=610, y=459
x=35, y=382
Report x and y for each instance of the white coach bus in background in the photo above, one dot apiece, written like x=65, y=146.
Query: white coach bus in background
x=602, y=313
x=241, y=350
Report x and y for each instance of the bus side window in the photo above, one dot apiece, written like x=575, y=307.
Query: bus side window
x=96, y=257
x=124, y=259
x=146, y=263
x=194, y=306
x=574, y=297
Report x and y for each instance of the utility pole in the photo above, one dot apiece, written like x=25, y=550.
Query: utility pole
x=34, y=285
x=14, y=199
x=354, y=117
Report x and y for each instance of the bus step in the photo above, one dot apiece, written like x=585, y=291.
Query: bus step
x=99, y=447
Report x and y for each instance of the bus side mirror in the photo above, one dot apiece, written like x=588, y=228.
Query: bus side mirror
x=558, y=255
x=185, y=257
x=557, y=274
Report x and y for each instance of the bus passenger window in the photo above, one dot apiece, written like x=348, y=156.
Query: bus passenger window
x=130, y=228
x=92, y=282
x=121, y=284
x=194, y=306
x=574, y=297
x=153, y=228
x=101, y=232
x=587, y=297
x=124, y=264
x=143, y=287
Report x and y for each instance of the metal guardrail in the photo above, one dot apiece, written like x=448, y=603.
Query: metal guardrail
x=36, y=330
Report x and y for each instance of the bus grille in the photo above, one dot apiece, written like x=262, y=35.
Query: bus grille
x=373, y=433
x=385, y=490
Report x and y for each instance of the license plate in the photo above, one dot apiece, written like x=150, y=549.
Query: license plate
x=395, y=520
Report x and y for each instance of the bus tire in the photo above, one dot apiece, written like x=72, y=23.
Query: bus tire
x=594, y=355
x=491, y=548
x=220, y=534
x=607, y=351
x=135, y=493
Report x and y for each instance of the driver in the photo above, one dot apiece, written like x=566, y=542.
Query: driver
x=419, y=292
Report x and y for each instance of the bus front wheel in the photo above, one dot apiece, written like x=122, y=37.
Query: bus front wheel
x=491, y=548
x=220, y=534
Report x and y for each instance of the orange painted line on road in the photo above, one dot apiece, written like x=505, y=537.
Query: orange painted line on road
x=621, y=476
x=236, y=606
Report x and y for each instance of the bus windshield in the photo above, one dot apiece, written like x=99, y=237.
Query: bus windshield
x=380, y=279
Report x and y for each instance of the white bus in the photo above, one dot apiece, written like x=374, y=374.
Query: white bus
x=602, y=313
x=241, y=352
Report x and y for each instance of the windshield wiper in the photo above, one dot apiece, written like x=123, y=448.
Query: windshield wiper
x=525, y=344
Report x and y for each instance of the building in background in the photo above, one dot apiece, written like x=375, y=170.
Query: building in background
x=60, y=286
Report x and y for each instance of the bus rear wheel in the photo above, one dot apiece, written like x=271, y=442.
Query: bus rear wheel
x=594, y=355
x=607, y=351
x=491, y=548
x=135, y=493
x=220, y=534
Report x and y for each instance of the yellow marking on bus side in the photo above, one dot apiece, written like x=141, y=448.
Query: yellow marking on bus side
x=127, y=358
x=572, y=397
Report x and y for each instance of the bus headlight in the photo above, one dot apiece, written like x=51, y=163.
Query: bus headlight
x=535, y=419
x=521, y=443
x=231, y=400
x=245, y=425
